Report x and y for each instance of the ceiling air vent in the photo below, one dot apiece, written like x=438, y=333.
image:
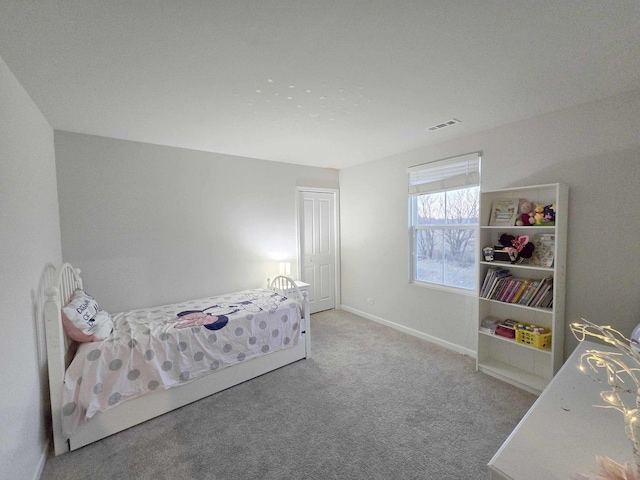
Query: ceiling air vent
x=442, y=125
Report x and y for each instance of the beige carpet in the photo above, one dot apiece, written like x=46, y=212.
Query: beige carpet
x=371, y=403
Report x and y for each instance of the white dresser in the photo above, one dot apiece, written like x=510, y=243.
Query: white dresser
x=563, y=432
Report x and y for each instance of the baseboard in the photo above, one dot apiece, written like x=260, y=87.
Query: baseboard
x=411, y=331
x=43, y=460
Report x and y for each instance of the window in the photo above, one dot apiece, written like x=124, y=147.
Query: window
x=444, y=204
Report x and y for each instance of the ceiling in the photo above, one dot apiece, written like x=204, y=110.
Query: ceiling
x=329, y=83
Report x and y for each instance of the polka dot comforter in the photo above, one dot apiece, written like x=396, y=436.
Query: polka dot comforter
x=164, y=347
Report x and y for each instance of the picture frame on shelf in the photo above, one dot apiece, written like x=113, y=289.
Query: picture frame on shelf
x=543, y=254
x=504, y=212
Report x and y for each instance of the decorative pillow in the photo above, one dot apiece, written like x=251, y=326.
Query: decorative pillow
x=74, y=333
x=83, y=320
x=81, y=308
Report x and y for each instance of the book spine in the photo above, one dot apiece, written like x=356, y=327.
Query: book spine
x=488, y=279
x=524, y=300
x=545, y=286
x=512, y=291
x=499, y=287
x=521, y=290
x=534, y=294
x=506, y=290
x=497, y=283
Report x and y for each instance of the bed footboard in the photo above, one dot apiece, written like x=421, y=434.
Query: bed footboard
x=287, y=286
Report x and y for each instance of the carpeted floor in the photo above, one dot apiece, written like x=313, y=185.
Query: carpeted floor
x=371, y=403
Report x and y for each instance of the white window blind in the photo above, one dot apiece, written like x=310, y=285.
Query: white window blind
x=449, y=174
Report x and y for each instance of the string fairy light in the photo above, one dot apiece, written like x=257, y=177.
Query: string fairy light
x=621, y=378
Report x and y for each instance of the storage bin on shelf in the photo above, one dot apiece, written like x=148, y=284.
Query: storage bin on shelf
x=538, y=337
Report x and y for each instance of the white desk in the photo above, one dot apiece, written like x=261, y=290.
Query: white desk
x=563, y=432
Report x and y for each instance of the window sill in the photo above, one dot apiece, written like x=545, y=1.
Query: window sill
x=444, y=288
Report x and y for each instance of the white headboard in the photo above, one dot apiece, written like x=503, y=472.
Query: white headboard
x=59, y=354
x=65, y=281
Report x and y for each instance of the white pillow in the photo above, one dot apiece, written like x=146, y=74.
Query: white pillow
x=81, y=308
x=102, y=325
x=83, y=320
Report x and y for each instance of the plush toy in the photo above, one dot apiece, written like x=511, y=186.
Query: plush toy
x=526, y=214
x=549, y=213
x=538, y=214
x=518, y=247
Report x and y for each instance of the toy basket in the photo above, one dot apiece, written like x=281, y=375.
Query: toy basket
x=526, y=334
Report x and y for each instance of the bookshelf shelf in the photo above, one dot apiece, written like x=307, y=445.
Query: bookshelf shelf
x=504, y=339
x=522, y=365
x=518, y=266
x=523, y=307
x=530, y=228
x=504, y=371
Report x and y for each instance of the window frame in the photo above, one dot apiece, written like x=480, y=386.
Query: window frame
x=446, y=178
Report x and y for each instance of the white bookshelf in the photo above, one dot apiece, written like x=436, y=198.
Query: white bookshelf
x=521, y=365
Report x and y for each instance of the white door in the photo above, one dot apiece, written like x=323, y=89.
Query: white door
x=318, y=248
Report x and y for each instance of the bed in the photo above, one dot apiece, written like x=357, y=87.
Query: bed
x=140, y=367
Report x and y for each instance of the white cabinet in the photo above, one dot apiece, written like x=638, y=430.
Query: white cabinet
x=522, y=365
x=302, y=286
x=291, y=292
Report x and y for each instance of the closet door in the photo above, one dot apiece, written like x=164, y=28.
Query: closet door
x=318, y=248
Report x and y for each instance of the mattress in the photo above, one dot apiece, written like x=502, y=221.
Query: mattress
x=168, y=346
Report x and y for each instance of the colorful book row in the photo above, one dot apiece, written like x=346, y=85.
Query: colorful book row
x=500, y=285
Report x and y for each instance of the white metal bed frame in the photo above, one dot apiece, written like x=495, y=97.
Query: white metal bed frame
x=141, y=409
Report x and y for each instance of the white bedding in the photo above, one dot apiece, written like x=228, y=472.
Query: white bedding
x=167, y=346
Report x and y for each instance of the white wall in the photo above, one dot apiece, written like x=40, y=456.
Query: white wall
x=594, y=148
x=29, y=239
x=151, y=225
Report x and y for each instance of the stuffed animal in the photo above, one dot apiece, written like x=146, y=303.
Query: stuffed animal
x=538, y=214
x=518, y=247
x=526, y=214
x=549, y=213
